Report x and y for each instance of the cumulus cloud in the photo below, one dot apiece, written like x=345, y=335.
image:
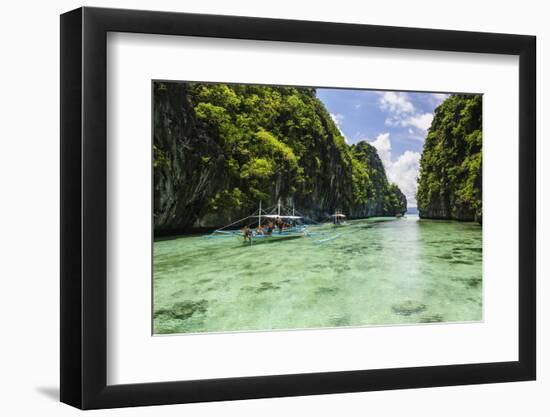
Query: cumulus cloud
x=420, y=121
x=397, y=103
x=338, y=120
x=402, y=113
x=383, y=146
x=402, y=171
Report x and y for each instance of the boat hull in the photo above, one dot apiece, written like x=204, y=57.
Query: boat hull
x=293, y=233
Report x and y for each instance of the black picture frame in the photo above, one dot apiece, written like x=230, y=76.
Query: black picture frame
x=84, y=207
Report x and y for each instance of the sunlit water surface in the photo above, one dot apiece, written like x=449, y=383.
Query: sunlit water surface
x=372, y=272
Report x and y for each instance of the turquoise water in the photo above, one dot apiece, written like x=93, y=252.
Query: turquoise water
x=372, y=272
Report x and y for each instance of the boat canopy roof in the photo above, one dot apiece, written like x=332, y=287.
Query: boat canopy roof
x=338, y=215
x=282, y=216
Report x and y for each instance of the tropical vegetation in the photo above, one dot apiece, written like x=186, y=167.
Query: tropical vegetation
x=450, y=180
x=219, y=149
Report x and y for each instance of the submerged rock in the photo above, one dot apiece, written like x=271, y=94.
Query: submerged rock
x=461, y=262
x=264, y=286
x=408, y=307
x=182, y=310
x=340, y=321
x=326, y=290
x=434, y=318
x=203, y=281
x=470, y=282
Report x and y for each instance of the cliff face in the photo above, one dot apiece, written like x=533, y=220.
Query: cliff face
x=220, y=149
x=188, y=164
x=450, y=181
x=372, y=194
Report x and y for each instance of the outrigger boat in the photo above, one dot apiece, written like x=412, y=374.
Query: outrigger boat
x=265, y=226
x=338, y=219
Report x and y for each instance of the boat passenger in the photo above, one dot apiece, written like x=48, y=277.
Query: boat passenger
x=270, y=228
x=260, y=230
x=247, y=233
x=280, y=224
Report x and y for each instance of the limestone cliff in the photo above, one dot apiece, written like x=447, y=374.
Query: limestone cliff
x=450, y=181
x=220, y=149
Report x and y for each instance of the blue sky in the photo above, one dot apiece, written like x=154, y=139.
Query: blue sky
x=394, y=122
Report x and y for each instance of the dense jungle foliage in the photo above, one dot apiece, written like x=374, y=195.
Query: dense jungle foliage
x=220, y=149
x=450, y=181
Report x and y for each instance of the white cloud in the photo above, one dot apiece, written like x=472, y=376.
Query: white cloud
x=420, y=121
x=338, y=120
x=438, y=98
x=402, y=171
x=383, y=146
x=397, y=103
x=401, y=112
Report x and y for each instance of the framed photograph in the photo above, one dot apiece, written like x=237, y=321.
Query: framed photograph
x=257, y=208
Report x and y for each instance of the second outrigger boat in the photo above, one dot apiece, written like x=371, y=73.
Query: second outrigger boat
x=338, y=219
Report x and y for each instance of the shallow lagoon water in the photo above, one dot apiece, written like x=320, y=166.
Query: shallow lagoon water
x=378, y=271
